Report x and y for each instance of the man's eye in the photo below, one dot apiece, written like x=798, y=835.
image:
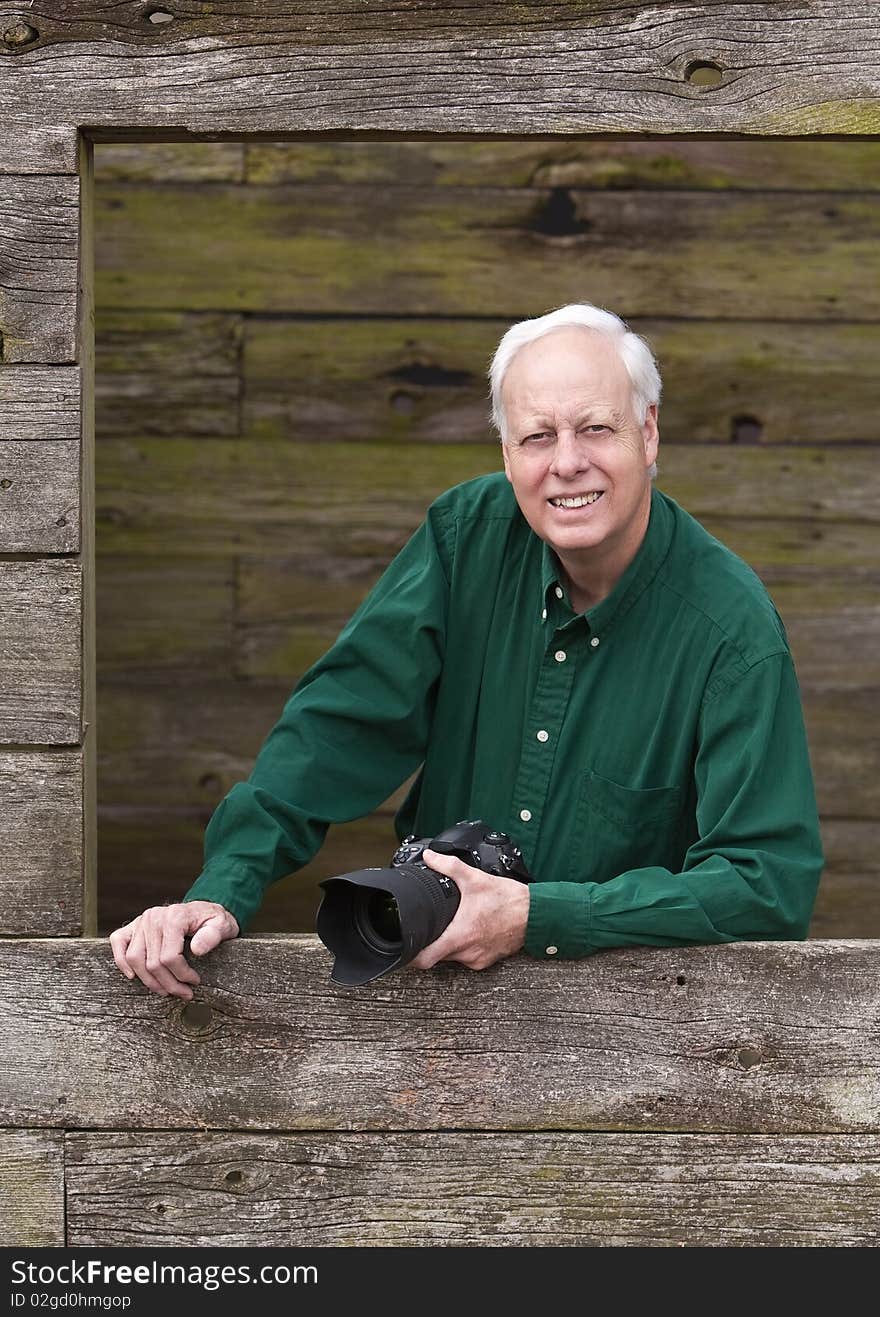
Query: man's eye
x=536, y=438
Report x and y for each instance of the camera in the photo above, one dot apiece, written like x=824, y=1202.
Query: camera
x=374, y=920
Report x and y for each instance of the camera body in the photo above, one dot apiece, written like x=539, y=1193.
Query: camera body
x=471, y=841
x=375, y=920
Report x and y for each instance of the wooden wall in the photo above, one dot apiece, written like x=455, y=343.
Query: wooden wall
x=291, y=349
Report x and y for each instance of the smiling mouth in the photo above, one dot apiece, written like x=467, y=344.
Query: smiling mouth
x=577, y=500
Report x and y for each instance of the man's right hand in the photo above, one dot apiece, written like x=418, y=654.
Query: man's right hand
x=151, y=946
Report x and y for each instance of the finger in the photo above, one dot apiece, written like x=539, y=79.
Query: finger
x=119, y=941
x=137, y=959
x=212, y=932
x=172, y=957
x=154, y=936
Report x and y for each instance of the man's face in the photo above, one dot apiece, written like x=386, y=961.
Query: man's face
x=572, y=434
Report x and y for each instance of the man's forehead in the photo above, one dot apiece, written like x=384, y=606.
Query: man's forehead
x=575, y=357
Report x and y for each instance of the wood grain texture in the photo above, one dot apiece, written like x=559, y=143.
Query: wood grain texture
x=423, y=381
x=538, y=68
x=40, y=662
x=473, y=1190
x=167, y=372
x=39, y=497
x=39, y=402
x=39, y=232
x=41, y=802
x=32, y=1188
x=848, y=904
x=760, y=1038
x=318, y=249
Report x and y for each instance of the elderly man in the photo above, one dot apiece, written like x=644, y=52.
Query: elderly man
x=566, y=654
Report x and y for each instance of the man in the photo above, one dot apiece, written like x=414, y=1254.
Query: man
x=566, y=654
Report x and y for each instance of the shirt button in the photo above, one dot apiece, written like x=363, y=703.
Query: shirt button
x=544, y=615
x=594, y=642
x=560, y=656
x=525, y=815
x=551, y=951
x=558, y=592
x=543, y=736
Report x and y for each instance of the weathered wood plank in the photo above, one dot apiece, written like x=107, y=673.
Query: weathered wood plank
x=167, y=372
x=40, y=668
x=761, y=1038
x=32, y=1188
x=424, y=381
x=41, y=802
x=389, y=69
x=39, y=402
x=309, y=249
x=156, y=614
x=39, y=497
x=39, y=230
x=204, y=162
x=799, y=506
x=35, y=147
x=848, y=904
x=508, y=1191
x=672, y=163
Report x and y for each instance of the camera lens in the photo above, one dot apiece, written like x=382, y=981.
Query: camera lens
x=377, y=920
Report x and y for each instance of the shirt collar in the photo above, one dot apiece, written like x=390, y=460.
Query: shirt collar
x=641, y=571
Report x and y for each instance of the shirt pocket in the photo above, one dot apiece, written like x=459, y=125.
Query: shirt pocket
x=624, y=828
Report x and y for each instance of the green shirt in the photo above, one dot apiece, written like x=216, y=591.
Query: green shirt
x=648, y=756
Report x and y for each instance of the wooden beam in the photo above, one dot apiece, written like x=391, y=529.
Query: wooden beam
x=41, y=802
x=39, y=402
x=582, y=68
x=40, y=658
x=759, y=1038
x=504, y=1191
x=39, y=229
x=32, y=1188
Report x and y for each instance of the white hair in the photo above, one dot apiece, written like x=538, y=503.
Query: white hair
x=634, y=352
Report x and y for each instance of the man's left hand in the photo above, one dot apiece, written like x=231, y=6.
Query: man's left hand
x=490, y=922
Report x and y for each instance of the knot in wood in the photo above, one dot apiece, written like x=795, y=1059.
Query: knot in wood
x=19, y=34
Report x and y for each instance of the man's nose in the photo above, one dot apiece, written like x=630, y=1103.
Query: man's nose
x=570, y=455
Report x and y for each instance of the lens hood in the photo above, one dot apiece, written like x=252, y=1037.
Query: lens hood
x=426, y=902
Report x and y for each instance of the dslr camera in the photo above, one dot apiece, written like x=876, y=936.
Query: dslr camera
x=375, y=920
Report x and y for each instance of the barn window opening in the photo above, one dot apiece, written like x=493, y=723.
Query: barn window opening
x=279, y=318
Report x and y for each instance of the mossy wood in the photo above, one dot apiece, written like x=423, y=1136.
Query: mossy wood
x=764, y=1037
x=450, y=251
x=513, y=1190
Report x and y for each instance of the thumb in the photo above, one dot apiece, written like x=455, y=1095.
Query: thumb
x=210, y=934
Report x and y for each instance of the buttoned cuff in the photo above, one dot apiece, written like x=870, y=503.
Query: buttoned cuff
x=230, y=885
x=559, y=920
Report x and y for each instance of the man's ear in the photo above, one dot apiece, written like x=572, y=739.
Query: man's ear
x=651, y=434
x=506, y=461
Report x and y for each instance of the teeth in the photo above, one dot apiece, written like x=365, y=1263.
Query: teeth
x=582, y=501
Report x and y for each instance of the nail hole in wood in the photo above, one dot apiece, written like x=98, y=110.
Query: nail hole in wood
x=748, y=1057
x=234, y=1177
x=703, y=73
x=5, y=484
x=681, y=980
